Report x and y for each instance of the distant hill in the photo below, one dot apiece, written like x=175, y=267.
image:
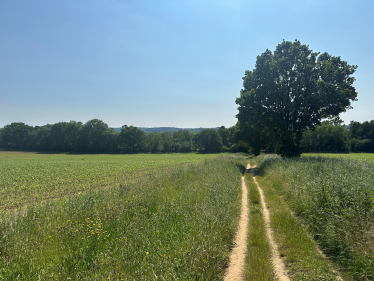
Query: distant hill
x=167, y=129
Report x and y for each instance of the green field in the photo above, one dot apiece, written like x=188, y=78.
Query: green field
x=28, y=178
x=169, y=221
x=353, y=156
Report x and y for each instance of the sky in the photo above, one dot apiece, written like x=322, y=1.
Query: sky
x=163, y=63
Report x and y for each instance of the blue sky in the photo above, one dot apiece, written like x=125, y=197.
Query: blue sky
x=163, y=63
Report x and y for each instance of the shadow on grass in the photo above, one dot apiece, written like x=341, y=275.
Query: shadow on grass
x=257, y=171
x=241, y=168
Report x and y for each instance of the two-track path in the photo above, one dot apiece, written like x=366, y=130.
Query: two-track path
x=238, y=254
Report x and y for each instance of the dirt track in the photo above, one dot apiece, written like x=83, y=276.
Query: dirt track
x=237, y=257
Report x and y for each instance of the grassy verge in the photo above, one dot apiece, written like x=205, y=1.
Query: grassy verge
x=334, y=199
x=299, y=252
x=177, y=224
x=258, y=260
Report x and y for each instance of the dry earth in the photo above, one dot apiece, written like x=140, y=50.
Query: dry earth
x=237, y=257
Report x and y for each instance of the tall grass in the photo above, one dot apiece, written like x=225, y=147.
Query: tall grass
x=177, y=224
x=334, y=198
x=352, y=156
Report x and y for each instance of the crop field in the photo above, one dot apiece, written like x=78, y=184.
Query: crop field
x=174, y=223
x=334, y=201
x=352, y=156
x=28, y=178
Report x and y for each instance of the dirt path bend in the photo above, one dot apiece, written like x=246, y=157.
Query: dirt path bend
x=237, y=257
x=278, y=265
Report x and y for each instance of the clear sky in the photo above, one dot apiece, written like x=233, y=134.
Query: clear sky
x=163, y=63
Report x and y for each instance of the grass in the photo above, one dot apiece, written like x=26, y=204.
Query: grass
x=334, y=201
x=352, y=156
x=28, y=178
x=258, y=260
x=174, y=224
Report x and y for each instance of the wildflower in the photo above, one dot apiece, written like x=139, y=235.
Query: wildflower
x=147, y=253
x=49, y=236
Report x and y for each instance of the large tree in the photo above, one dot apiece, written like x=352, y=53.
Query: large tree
x=94, y=136
x=208, y=140
x=291, y=89
x=16, y=136
x=132, y=139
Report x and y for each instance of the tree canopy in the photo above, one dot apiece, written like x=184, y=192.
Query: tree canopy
x=291, y=89
x=208, y=140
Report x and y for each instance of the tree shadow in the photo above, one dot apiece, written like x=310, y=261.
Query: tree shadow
x=257, y=171
x=241, y=168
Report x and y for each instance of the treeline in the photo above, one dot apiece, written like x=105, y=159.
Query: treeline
x=359, y=137
x=96, y=137
x=167, y=129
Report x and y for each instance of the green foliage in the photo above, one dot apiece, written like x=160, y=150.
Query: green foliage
x=183, y=141
x=362, y=136
x=358, y=145
x=61, y=136
x=16, y=135
x=132, y=139
x=325, y=138
x=225, y=135
x=208, y=140
x=96, y=137
x=173, y=224
x=289, y=90
x=153, y=142
x=364, y=130
x=334, y=198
